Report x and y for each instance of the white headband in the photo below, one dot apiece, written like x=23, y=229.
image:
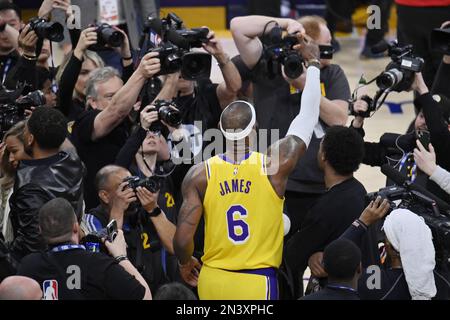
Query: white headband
x=230, y=134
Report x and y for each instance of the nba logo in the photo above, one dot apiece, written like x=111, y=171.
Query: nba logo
x=50, y=289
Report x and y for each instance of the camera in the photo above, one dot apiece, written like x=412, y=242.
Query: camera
x=167, y=113
x=399, y=74
x=440, y=40
x=279, y=51
x=13, y=111
x=421, y=205
x=94, y=240
x=176, y=45
x=106, y=36
x=152, y=184
x=53, y=31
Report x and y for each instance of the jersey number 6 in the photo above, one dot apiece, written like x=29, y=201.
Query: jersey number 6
x=238, y=230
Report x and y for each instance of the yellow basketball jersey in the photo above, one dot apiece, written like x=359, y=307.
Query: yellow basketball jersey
x=243, y=215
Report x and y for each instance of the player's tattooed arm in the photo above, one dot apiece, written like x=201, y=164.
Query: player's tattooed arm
x=193, y=189
x=282, y=157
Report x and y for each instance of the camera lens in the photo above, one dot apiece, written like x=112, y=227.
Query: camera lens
x=171, y=116
x=293, y=66
x=389, y=79
x=111, y=37
x=53, y=31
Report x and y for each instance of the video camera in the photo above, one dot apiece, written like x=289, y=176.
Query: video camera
x=54, y=31
x=12, y=107
x=176, y=45
x=398, y=76
x=106, y=36
x=434, y=211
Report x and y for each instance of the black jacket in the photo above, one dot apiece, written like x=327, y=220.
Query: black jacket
x=37, y=182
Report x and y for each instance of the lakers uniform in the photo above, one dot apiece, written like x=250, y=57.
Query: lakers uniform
x=243, y=231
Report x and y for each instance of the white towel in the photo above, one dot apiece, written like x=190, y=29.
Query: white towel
x=411, y=237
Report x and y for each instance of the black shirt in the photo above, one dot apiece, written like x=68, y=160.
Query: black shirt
x=96, y=154
x=333, y=293
x=101, y=276
x=200, y=111
x=392, y=282
x=7, y=63
x=326, y=221
x=277, y=104
x=144, y=247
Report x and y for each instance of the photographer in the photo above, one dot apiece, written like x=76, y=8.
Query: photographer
x=277, y=100
x=68, y=272
x=431, y=124
x=100, y=132
x=426, y=161
x=412, y=272
x=340, y=154
x=75, y=72
x=10, y=25
x=148, y=224
x=202, y=102
x=50, y=174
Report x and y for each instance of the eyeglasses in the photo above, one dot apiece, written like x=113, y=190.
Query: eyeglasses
x=155, y=133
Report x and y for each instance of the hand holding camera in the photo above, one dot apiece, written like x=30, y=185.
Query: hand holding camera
x=150, y=65
x=214, y=47
x=123, y=197
x=117, y=247
x=27, y=41
x=147, y=199
x=295, y=27
x=88, y=37
x=425, y=160
x=308, y=49
x=124, y=49
x=148, y=116
x=375, y=211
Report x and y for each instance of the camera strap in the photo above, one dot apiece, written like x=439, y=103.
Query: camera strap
x=6, y=69
x=66, y=247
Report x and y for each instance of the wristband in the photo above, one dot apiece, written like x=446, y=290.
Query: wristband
x=221, y=65
x=155, y=212
x=127, y=58
x=314, y=62
x=119, y=259
x=30, y=58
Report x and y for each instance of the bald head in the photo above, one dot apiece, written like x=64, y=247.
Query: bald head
x=20, y=288
x=236, y=115
x=104, y=175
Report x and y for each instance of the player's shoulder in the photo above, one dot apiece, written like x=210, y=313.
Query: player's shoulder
x=196, y=175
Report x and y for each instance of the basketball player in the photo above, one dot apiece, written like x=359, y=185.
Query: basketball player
x=241, y=195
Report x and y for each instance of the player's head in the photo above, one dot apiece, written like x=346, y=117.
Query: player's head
x=238, y=121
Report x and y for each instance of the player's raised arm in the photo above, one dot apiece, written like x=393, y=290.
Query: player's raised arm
x=284, y=154
x=193, y=189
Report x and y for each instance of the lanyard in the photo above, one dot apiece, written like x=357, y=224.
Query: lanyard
x=6, y=69
x=66, y=247
x=341, y=288
x=412, y=171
